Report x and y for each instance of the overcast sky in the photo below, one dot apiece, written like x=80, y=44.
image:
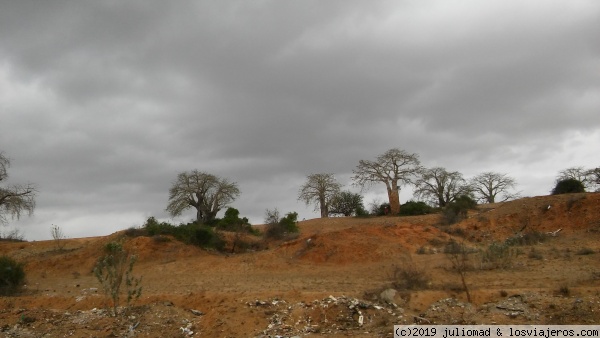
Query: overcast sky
x=103, y=103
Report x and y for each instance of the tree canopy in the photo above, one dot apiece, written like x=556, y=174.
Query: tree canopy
x=393, y=168
x=440, y=186
x=568, y=186
x=14, y=199
x=347, y=203
x=492, y=187
x=207, y=193
x=320, y=190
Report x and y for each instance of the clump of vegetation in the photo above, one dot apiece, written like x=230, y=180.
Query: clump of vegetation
x=191, y=233
x=453, y=247
x=347, y=203
x=13, y=235
x=458, y=255
x=58, y=236
x=535, y=254
x=12, y=275
x=231, y=221
x=409, y=276
x=114, y=269
x=528, y=238
x=564, y=290
x=498, y=256
x=456, y=211
x=281, y=228
x=412, y=208
x=377, y=209
x=585, y=251
x=568, y=186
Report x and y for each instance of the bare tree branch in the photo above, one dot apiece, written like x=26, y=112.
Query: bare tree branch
x=14, y=199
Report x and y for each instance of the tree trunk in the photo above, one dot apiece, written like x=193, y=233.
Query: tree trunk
x=394, y=198
x=324, y=209
x=198, y=216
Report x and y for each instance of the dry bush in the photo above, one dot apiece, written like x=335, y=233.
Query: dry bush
x=497, y=256
x=408, y=276
x=585, y=251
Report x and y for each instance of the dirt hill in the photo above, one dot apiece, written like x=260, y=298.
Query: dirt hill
x=330, y=279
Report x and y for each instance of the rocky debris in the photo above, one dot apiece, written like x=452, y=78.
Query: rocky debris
x=137, y=321
x=448, y=311
x=326, y=316
x=387, y=296
x=516, y=306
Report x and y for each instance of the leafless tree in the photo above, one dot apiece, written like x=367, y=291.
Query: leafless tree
x=14, y=199
x=394, y=168
x=441, y=186
x=577, y=173
x=593, y=177
x=490, y=186
x=320, y=190
x=205, y=192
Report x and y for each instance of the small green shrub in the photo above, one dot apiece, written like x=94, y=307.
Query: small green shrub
x=280, y=228
x=189, y=233
x=456, y=211
x=412, y=208
x=568, y=186
x=232, y=222
x=114, y=268
x=12, y=275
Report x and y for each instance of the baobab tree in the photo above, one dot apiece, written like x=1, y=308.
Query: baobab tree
x=207, y=193
x=393, y=168
x=441, y=186
x=320, y=190
x=14, y=199
x=489, y=186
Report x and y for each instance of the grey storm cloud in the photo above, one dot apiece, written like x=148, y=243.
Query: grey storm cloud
x=102, y=103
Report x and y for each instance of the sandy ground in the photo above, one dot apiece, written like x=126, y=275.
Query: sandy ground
x=326, y=280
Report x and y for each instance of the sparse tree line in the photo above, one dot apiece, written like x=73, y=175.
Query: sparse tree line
x=208, y=193
x=436, y=186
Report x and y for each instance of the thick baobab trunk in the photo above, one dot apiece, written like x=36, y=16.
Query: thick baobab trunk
x=394, y=198
x=324, y=209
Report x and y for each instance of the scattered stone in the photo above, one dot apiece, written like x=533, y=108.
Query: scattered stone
x=387, y=296
x=196, y=312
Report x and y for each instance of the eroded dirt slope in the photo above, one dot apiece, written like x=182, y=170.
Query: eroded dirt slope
x=323, y=282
